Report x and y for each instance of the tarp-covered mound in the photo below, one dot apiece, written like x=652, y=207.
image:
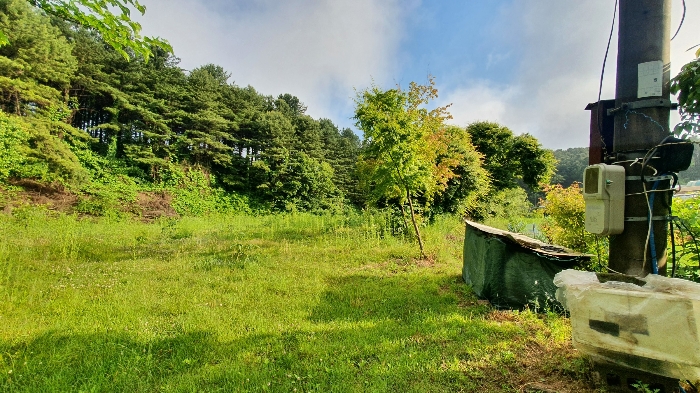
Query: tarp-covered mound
x=512, y=270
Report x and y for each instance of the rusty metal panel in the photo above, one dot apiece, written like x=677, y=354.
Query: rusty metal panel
x=600, y=139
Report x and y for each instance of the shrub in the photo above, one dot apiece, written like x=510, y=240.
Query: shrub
x=688, y=212
x=194, y=194
x=506, y=205
x=13, y=138
x=564, y=222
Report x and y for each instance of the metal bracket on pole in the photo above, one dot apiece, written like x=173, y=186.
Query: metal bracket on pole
x=654, y=218
x=652, y=103
x=649, y=178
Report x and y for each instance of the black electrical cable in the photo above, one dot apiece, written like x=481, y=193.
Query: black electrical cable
x=673, y=249
x=600, y=86
x=650, y=154
x=680, y=231
x=692, y=236
x=670, y=227
x=684, y=244
x=597, y=249
x=682, y=19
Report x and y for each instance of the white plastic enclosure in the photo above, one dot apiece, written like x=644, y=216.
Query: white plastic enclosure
x=604, y=195
x=653, y=328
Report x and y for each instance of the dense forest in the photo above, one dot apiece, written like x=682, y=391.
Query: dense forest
x=80, y=117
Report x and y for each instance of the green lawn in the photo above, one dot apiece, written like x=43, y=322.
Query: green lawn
x=273, y=303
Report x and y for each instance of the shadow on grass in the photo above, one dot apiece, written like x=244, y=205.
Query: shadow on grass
x=401, y=297
x=98, y=362
x=382, y=358
x=409, y=333
x=369, y=333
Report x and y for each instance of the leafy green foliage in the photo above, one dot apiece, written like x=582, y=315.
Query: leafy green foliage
x=537, y=164
x=570, y=165
x=471, y=184
x=509, y=205
x=144, y=117
x=693, y=171
x=509, y=158
x=111, y=130
x=117, y=30
x=37, y=67
x=195, y=195
x=393, y=159
x=13, y=154
x=108, y=197
x=688, y=212
x=41, y=149
x=687, y=85
x=564, y=223
x=564, y=211
x=644, y=388
x=405, y=152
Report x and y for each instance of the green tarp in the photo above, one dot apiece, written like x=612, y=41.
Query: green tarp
x=512, y=270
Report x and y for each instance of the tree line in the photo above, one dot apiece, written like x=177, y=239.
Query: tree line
x=76, y=110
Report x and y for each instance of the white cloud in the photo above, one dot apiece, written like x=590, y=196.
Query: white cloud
x=316, y=50
x=496, y=58
x=319, y=50
x=480, y=101
x=561, y=47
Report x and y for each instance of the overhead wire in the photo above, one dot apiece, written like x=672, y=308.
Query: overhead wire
x=681, y=24
x=600, y=85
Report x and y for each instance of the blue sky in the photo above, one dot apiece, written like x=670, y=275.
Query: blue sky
x=532, y=65
x=457, y=39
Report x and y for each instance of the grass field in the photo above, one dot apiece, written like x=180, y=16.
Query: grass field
x=274, y=303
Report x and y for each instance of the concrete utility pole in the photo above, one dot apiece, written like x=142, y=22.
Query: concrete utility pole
x=641, y=122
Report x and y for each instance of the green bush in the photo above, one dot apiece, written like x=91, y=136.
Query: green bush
x=564, y=222
x=194, y=194
x=13, y=140
x=688, y=212
x=41, y=149
x=510, y=204
x=108, y=196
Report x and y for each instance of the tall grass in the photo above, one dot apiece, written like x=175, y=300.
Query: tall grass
x=240, y=303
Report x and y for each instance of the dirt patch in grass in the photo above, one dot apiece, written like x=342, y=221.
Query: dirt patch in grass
x=53, y=196
x=453, y=238
x=400, y=265
x=555, y=368
x=428, y=261
x=502, y=316
x=541, y=363
x=148, y=205
x=153, y=205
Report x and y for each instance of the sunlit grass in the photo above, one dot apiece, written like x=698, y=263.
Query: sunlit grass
x=242, y=303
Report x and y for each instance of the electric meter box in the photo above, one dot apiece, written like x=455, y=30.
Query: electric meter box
x=604, y=194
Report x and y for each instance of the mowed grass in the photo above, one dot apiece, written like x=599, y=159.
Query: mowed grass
x=277, y=303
